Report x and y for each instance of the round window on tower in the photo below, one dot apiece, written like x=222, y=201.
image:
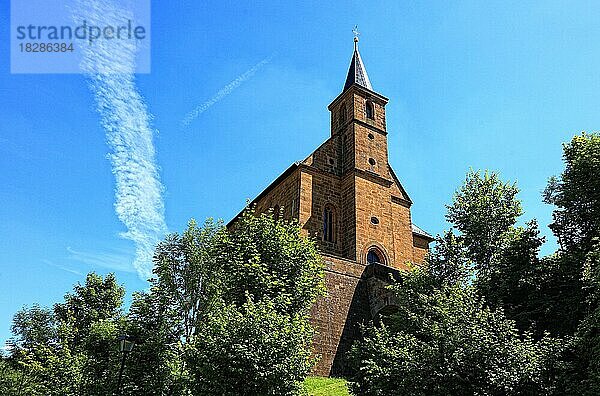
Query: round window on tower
x=372, y=161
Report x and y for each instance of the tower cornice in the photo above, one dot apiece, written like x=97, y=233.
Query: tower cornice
x=367, y=93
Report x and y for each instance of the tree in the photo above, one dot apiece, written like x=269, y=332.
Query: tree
x=14, y=381
x=447, y=261
x=583, y=378
x=271, y=260
x=515, y=280
x=157, y=367
x=444, y=341
x=259, y=336
x=484, y=210
x=477, y=318
x=576, y=281
x=250, y=350
x=71, y=349
x=188, y=275
x=41, y=355
x=540, y=294
x=576, y=194
x=228, y=310
x=183, y=292
x=99, y=298
x=31, y=327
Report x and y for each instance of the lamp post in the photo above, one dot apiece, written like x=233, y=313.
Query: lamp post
x=126, y=344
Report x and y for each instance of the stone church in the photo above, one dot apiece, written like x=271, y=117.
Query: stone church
x=347, y=195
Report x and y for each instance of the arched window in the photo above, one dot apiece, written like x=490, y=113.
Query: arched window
x=276, y=212
x=375, y=256
x=342, y=115
x=370, y=110
x=328, y=224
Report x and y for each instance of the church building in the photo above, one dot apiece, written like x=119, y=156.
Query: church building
x=347, y=196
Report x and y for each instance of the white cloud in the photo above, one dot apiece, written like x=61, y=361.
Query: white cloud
x=63, y=268
x=110, y=66
x=226, y=90
x=112, y=260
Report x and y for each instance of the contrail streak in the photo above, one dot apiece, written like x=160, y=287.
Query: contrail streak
x=226, y=90
x=110, y=66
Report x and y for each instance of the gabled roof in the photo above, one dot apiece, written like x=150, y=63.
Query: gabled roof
x=357, y=74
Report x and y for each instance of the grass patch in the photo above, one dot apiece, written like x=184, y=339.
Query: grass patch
x=321, y=386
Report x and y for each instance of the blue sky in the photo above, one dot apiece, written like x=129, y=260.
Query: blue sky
x=487, y=85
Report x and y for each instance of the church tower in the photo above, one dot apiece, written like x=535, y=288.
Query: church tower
x=347, y=196
x=369, y=211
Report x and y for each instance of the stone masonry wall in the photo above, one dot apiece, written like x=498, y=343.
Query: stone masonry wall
x=285, y=195
x=336, y=317
x=420, y=249
x=392, y=233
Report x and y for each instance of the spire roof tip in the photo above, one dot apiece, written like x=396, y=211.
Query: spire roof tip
x=357, y=74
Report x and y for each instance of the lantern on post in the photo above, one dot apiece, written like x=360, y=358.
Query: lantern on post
x=126, y=344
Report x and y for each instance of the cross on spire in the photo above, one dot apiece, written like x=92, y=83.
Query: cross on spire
x=357, y=74
x=356, y=32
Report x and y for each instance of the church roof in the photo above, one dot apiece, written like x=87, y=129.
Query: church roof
x=419, y=231
x=357, y=74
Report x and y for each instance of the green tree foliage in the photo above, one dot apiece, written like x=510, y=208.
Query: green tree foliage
x=237, y=303
x=500, y=257
x=250, y=350
x=99, y=299
x=227, y=308
x=163, y=320
x=15, y=381
x=576, y=194
x=70, y=350
x=583, y=374
x=444, y=341
x=588, y=337
x=484, y=211
x=448, y=263
x=270, y=260
x=456, y=328
x=188, y=276
x=32, y=327
x=516, y=281
x=540, y=295
x=226, y=313
x=156, y=366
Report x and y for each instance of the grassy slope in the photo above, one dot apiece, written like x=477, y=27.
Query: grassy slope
x=319, y=386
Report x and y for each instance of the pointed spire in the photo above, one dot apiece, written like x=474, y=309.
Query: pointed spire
x=357, y=72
